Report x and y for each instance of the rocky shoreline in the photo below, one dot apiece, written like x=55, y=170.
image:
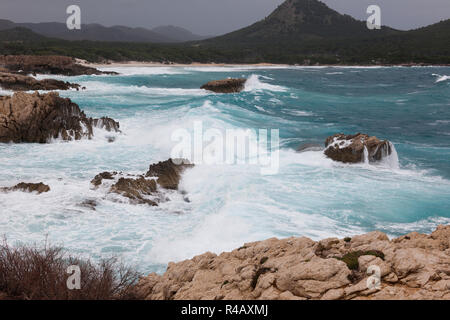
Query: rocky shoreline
x=38, y=118
x=60, y=65
x=412, y=267
x=18, y=82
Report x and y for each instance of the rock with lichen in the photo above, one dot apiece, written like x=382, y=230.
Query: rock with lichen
x=415, y=266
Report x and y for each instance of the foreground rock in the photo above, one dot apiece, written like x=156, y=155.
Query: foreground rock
x=46, y=65
x=17, y=82
x=28, y=187
x=225, y=86
x=144, y=189
x=415, y=266
x=352, y=148
x=38, y=118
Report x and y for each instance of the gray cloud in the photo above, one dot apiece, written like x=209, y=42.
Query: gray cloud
x=210, y=17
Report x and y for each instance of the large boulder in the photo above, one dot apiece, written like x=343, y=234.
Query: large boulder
x=19, y=82
x=356, y=148
x=225, y=86
x=28, y=187
x=47, y=65
x=38, y=118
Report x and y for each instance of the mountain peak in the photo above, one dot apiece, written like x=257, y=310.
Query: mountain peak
x=298, y=20
x=303, y=11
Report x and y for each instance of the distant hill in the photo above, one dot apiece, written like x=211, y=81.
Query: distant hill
x=301, y=20
x=177, y=33
x=20, y=35
x=97, y=32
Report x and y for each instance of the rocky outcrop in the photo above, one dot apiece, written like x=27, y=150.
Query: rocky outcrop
x=356, y=148
x=414, y=266
x=106, y=123
x=19, y=82
x=28, y=187
x=46, y=65
x=98, y=179
x=168, y=172
x=225, y=86
x=136, y=189
x=37, y=118
x=144, y=189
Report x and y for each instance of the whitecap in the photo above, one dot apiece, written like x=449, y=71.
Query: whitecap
x=98, y=87
x=147, y=70
x=298, y=113
x=441, y=78
x=254, y=83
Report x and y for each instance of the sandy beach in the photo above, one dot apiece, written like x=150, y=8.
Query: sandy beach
x=159, y=64
x=263, y=64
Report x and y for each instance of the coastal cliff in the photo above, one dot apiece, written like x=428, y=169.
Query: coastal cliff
x=413, y=266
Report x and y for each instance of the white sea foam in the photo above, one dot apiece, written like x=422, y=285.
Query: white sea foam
x=421, y=226
x=4, y=92
x=98, y=87
x=131, y=71
x=439, y=122
x=441, y=78
x=298, y=113
x=235, y=68
x=254, y=83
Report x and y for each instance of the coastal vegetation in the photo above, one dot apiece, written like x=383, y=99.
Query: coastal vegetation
x=40, y=273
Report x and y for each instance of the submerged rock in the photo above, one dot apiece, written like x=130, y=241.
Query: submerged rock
x=414, y=266
x=98, y=179
x=37, y=118
x=47, y=65
x=356, y=148
x=168, y=172
x=225, y=86
x=89, y=203
x=28, y=187
x=19, y=82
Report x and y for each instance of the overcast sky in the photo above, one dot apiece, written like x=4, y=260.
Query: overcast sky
x=212, y=17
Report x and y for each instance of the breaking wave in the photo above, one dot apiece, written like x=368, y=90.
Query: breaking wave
x=441, y=78
x=254, y=83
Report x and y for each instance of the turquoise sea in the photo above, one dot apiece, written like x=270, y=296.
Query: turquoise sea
x=231, y=204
